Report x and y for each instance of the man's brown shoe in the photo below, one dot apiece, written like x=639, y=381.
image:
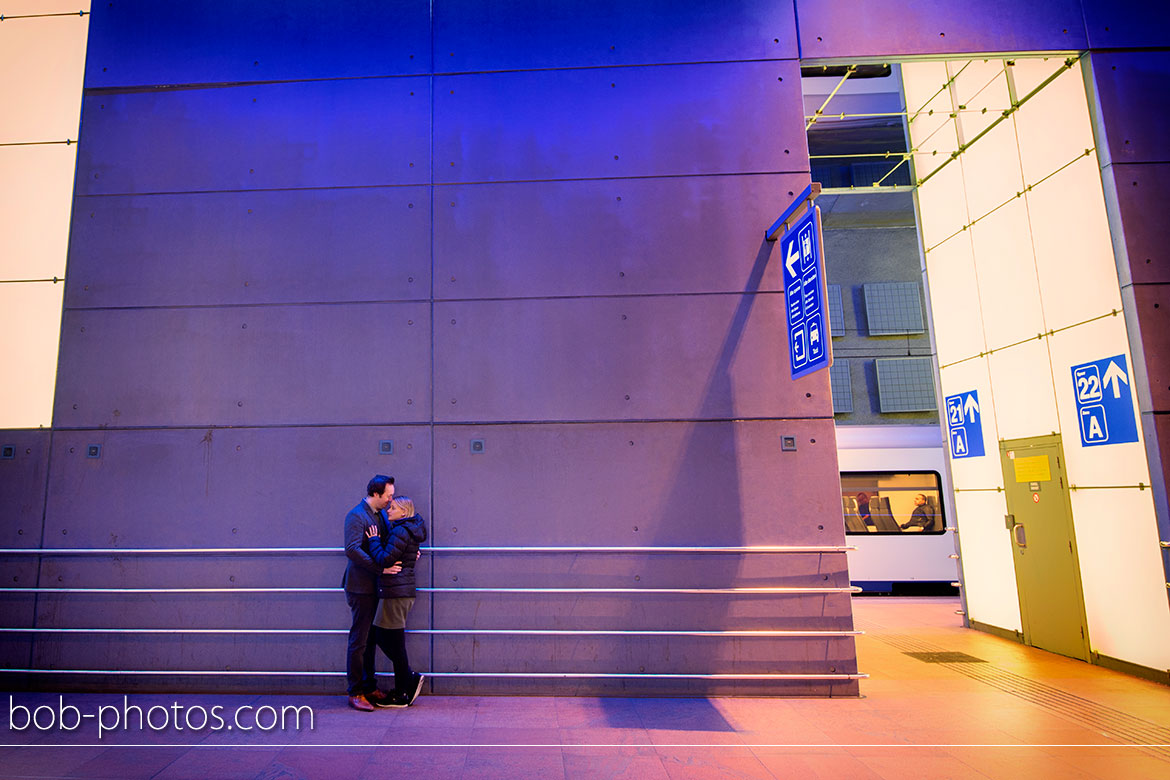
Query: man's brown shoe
x=359, y=702
x=377, y=697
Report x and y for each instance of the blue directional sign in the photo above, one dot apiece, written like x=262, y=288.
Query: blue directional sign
x=964, y=425
x=808, y=335
x=1104, y=403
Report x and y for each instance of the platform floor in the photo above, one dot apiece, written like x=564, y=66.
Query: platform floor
x=987, y=708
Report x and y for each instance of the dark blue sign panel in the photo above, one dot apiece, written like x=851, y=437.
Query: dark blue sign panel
x=964, y=425
x=1104, y=403
x=808, y=336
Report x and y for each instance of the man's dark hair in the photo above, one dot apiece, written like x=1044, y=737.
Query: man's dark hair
x=378, y=485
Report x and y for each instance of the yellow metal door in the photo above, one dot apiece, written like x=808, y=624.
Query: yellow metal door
x=1048, y=579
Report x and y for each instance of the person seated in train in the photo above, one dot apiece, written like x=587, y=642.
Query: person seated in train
x=921, y=517
x=863, y=508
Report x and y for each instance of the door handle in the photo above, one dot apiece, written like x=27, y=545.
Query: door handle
x=1018, y=533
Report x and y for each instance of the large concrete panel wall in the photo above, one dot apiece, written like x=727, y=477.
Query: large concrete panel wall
x=899, y=28
x=23, y=482
x=297, y=235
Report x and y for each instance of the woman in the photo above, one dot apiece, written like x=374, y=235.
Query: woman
x=405, y=532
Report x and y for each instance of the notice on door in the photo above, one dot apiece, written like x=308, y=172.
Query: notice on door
x=1034, y=468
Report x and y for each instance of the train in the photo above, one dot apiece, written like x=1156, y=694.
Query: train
x=898, y=509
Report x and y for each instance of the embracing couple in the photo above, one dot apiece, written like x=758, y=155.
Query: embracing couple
x=382, y=537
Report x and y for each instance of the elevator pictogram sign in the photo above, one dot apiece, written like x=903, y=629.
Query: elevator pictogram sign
x=804, y=278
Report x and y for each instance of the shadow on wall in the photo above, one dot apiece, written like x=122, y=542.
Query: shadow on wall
x=688, y=485
x=695, y=511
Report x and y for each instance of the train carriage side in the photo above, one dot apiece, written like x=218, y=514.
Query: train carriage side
x=898, y=509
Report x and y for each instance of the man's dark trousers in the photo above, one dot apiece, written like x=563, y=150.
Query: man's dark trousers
x=359, y=661
x=361, y=593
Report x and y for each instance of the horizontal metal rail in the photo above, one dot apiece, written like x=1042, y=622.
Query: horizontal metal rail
x=643, y=675
x=618, y=550
x=437, y=631
x=165, y=550
x=886, y=189
x=520, y=675
x=776, y=591
x=318, y=550
x=170, y=590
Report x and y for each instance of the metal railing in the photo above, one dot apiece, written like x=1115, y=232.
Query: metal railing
x=735, y=550
x=513, y=675
x=794, y=549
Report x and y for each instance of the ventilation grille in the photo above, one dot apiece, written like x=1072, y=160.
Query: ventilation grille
x=946, y=657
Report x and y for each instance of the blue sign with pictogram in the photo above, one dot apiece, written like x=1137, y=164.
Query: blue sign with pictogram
x=1104, y=402
x=808, y=335
x=964, y=425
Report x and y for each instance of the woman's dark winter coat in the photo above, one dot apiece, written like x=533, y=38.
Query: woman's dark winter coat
x=399, y=544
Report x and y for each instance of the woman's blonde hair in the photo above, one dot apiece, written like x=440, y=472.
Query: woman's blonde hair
x=402, y=506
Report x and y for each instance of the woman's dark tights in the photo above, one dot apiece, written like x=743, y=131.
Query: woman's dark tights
x=392, y=641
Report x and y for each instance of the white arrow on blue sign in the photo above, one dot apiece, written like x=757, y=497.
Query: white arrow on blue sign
x=1104, y=402
x=964, y=425
x=808, y=334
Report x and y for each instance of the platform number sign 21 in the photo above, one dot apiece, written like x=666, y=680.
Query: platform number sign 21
x=1104, y=402
x=964, y=425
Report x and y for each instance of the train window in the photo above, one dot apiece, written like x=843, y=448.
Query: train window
x=891, y=502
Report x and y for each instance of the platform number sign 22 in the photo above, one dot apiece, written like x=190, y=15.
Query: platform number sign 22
x=964, y=425
x=1104, y=403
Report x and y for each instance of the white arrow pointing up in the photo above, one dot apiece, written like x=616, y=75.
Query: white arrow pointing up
x=1112, y=375
x=971, y=407
x=790, y=261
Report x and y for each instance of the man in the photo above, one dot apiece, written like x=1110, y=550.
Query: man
x=361, y=592
x=921, y=516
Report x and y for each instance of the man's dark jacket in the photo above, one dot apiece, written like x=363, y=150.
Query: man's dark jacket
x=361, y=575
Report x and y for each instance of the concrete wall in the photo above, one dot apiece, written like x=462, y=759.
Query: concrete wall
x=297, y=235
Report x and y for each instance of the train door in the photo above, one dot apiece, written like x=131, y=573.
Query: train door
x=1044, y=549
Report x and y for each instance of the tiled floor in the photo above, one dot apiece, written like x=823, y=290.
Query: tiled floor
x=1011, y=712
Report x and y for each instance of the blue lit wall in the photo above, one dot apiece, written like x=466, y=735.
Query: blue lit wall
x=299, y=232
x=303, y=229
